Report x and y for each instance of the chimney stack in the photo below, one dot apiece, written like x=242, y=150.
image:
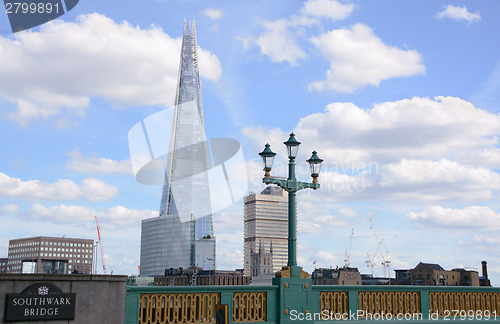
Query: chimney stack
x=485, y=270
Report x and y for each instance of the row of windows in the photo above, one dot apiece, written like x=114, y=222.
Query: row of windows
x=70, y=260
x=32, y=243
x=23, y=250
x=65, y=250
x=22, y=256
x=79, y=267
x=36, y=243
x=62, y=255
x=57, y=255
x=67, y=244
x=69, y=267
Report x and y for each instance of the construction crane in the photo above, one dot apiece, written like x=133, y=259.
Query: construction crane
x=100, y=245
x=371, y=260
x=348, y=252
x=94, y=257
x=385, y=260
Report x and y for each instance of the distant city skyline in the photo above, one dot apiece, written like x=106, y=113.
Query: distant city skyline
x=400, y=99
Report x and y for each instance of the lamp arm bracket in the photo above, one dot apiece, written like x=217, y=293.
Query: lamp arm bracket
x=291, y=185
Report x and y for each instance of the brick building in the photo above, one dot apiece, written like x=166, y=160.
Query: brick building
x=43, y=254
x=431, y=274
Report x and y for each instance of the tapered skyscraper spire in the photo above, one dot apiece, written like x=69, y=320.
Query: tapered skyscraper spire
x=182, y=235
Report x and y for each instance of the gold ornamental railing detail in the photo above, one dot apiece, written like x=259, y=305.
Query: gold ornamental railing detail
x=452, y=303
x=178, y=308
x=334, y=302
x=389, y=302
x=249, y=307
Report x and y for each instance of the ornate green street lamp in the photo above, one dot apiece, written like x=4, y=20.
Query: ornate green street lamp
x=291, y=185
x=268, y=159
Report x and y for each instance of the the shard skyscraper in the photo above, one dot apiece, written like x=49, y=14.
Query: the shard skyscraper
x=182, y=234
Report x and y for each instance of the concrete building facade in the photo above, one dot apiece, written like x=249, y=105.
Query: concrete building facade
x=55, y=255
x=266, y=225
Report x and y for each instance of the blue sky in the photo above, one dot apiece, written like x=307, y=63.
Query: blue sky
x=400, y=98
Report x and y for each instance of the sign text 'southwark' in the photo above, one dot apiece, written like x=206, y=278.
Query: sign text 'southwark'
x=41, y=301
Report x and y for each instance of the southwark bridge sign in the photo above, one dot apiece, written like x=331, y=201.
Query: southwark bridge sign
x=39, y=302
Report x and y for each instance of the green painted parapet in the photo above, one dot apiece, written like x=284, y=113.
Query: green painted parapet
x=296, y=300
x=197, y=304
x=422, y=304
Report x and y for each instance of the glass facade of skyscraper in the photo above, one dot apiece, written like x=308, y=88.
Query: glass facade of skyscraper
x=185, y=216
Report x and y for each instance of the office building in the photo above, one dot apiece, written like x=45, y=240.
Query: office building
x=266, y=228
x=41, y=254
x=182, y=234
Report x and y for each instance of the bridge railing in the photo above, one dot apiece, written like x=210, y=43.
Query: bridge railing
x=197, y=304
x=267, y=304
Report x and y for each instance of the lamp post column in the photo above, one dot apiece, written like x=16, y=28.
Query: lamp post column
x=292, y=216
x=292, y=230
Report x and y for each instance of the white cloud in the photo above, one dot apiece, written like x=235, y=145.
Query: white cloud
x=228, y=229
x=213, y=13
x=113, y=217
x=458, y=13
x=323, y=259
x=348, y=212
x=9, y=209
x=451, y=219
x=417, y=128
x=442, y=171
x=439, y=180
x=95, y=165
x=96, y=190
x=359, y=58
x=47, y=71
x=311, y=228
x=64, y=189
x=482, y=242
x=343, y=183
x=332, y=9
x=279, y=43
x=128, y=261
x=416, y=149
